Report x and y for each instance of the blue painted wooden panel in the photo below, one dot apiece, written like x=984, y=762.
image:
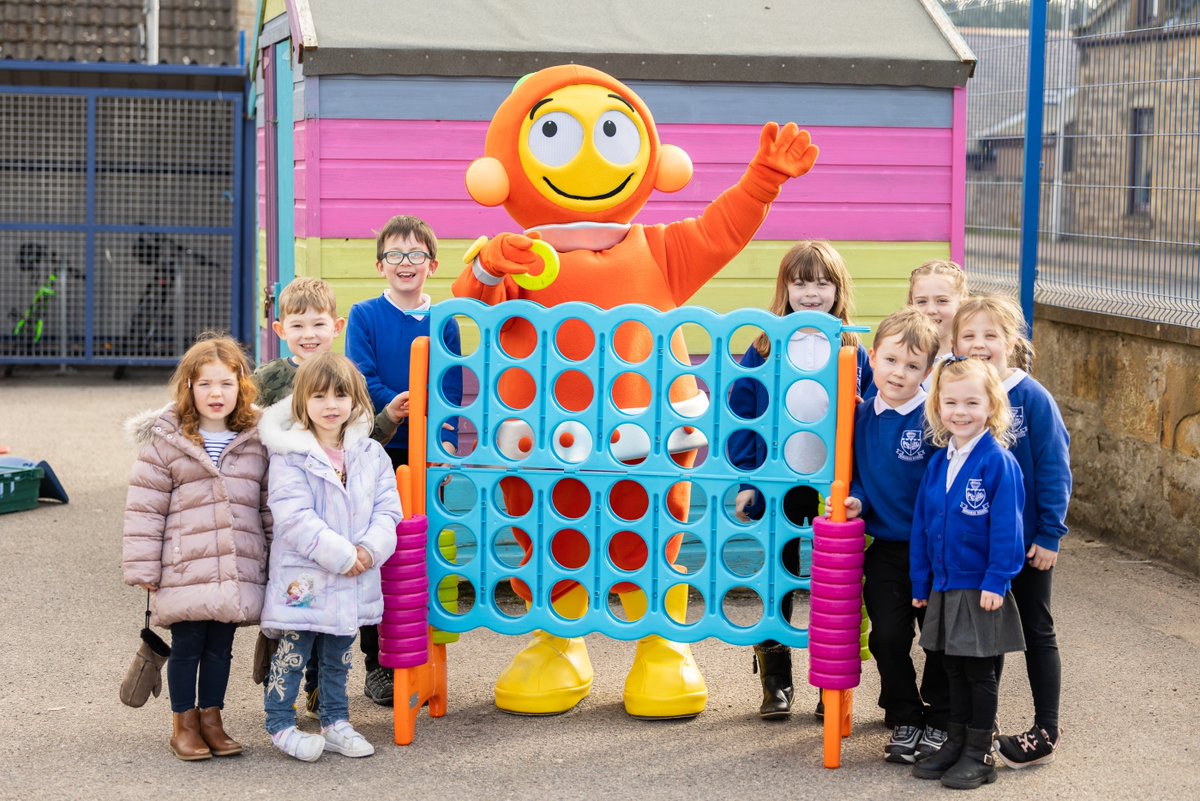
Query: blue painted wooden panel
x=408, y=98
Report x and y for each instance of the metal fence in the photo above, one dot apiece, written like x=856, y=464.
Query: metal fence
x=122, y=218
x=1119, y=203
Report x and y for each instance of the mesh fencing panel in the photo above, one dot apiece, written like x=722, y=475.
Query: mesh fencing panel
x=153, y=265
x=43, y=180
x=1119, y=223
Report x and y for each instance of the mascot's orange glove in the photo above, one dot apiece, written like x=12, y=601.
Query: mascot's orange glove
x=509, y=254
x=783, y=153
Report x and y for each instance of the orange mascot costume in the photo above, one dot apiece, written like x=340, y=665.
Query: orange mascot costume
x=573, y=154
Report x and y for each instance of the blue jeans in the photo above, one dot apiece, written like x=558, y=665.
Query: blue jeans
x=287, y=671
x=201, y=648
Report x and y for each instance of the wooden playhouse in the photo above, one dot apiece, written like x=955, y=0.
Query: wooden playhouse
x=367, y=109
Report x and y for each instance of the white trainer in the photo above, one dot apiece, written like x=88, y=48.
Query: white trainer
x=341, y=738
x=298, y=744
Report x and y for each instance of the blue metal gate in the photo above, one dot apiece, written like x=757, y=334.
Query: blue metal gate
x=126, y=211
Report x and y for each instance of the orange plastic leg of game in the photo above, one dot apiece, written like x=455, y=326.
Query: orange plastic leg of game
x=839, y=708
x=833, y=726
x=404, y=710
x=414, y=688
x=437, y=667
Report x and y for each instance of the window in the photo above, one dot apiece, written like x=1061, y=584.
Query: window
x=1140, y=129
x=1147, y=11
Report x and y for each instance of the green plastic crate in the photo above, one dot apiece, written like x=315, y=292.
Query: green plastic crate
x=19, y=488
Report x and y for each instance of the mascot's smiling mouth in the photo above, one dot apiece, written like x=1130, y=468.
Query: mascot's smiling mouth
x=605, y=196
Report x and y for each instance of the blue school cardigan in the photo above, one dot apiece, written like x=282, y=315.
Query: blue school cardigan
x=971, y=537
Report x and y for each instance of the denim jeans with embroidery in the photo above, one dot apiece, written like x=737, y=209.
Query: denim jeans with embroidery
x=287, y=671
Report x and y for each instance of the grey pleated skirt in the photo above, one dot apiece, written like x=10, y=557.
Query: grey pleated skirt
x=957, y=624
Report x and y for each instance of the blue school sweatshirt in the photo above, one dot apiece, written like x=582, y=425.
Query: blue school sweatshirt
x=1043, y=449
x=890, y=457
x=970, y=536
x=379, y=339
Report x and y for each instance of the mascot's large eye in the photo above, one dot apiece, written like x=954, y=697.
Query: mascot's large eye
x=555, y=138
x=617, y=138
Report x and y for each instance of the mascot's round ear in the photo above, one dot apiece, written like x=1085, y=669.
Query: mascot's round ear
x=487, y=181
x=674, y=169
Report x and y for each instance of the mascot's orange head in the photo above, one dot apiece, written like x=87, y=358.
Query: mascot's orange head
x=572, y=144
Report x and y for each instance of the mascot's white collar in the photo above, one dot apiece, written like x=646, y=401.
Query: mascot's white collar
x=594, y=236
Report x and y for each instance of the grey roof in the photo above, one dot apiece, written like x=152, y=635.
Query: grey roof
x=896, y=42
x=996, y=98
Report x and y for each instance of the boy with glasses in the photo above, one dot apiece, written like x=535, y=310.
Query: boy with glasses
x=379, y=339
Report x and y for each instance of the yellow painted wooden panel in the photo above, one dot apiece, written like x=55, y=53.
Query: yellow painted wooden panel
x=273, y=9
x=879, y=269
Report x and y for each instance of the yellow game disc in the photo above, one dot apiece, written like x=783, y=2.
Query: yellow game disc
x=473, y=251
x=545, y=278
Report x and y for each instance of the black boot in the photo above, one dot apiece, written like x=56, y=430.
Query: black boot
x=773, y=663
x=976, y=766
x=941, y=760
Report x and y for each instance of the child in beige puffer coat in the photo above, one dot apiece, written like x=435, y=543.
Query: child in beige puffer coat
x=197, y=529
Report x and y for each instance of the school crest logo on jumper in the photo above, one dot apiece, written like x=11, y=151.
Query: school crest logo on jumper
x=976, y=503
x=1018, y=422
x=912, y=445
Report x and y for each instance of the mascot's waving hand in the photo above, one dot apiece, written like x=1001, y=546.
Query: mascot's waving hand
x=572, y=155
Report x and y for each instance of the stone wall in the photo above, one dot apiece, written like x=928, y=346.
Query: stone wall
x=1129, y=392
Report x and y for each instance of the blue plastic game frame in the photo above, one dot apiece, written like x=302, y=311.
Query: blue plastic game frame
x=594, y=462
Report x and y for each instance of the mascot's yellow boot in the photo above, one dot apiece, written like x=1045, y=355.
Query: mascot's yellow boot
x=551, y=674
x=665, y=681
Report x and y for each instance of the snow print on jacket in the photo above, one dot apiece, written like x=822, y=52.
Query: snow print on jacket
x=319, y=523
x=196, y=529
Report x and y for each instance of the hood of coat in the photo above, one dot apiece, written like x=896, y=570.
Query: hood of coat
x=140, y=428
x=282, y=434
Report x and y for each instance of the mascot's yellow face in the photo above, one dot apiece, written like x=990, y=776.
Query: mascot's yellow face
x=584, y=148
x=573, y=144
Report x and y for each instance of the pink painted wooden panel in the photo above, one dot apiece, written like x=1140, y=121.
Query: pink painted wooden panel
x=409, y=181
x=387, y=140
x=882, y=184
x=260, y=175
x=958, y=182
x=301, y=177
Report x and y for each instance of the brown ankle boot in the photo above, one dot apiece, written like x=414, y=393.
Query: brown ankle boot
x=186, y=742
x=213, y=732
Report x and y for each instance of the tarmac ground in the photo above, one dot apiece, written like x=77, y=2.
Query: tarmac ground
x=1128, y=632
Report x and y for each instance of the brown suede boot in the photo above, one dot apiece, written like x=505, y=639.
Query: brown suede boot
x=213, y=732
x=186, y=742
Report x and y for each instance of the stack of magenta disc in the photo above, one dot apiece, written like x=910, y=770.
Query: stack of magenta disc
x=835, y=661
x=404, y=632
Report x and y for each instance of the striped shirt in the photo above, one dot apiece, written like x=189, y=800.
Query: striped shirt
x=215, y=442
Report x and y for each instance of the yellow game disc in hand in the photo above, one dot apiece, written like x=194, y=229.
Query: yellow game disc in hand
x=545, y=278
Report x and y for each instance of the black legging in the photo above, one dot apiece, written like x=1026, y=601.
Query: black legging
x=1032, y=590
x=887, y=593
x=974, y=683
x=203, y=648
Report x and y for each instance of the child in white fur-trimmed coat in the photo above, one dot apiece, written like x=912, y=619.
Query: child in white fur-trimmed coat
x=332, y=493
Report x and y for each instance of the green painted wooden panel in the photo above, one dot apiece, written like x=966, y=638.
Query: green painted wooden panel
x=879, y=269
